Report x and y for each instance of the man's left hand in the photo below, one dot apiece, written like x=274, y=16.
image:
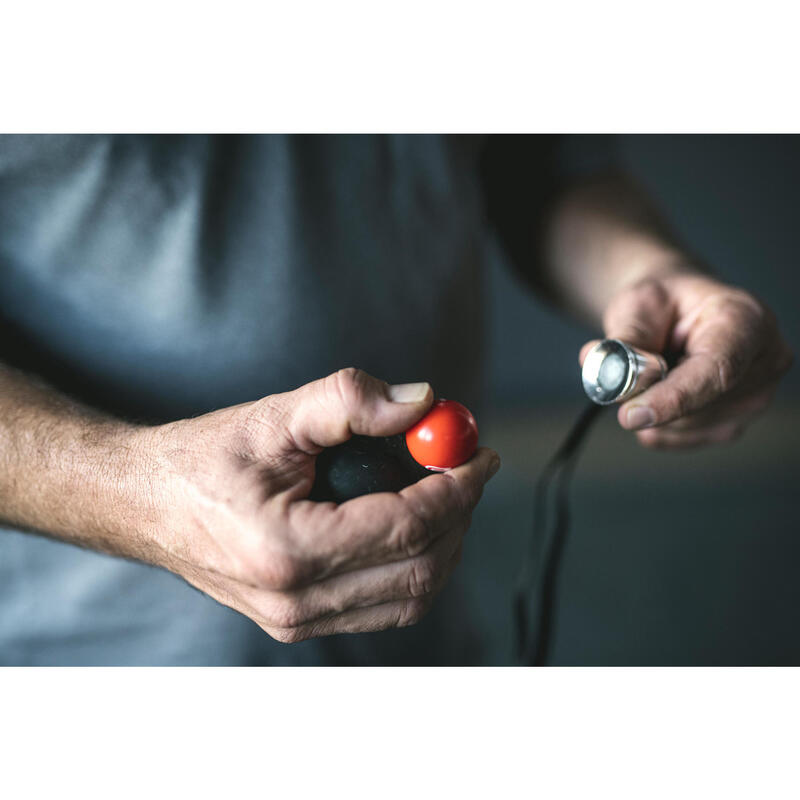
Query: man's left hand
x=732, y=358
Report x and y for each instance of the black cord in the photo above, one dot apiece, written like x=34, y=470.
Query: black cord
x=534, y=602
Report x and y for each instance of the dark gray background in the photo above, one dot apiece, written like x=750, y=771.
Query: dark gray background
x=689, y=558
x=673, y=558
x=733, y=200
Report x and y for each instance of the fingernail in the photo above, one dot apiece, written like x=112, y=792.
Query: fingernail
x=491, y=470
x=409, y=392
x=640, y=417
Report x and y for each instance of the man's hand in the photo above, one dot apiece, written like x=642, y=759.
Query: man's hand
x=230, y=514
x=222, y=500
x=732, y=358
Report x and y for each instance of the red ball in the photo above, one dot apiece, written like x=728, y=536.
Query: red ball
x=444, y=438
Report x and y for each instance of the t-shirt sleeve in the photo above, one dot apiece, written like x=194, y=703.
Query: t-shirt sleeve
x=523, y=175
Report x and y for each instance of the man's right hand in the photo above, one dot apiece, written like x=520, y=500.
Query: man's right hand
x=228, y=510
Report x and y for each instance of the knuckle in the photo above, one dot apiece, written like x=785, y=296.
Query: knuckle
x=286, y=635
x=678, y=402
x=645, y=292
x=462, y=495
x=729, y=368
x=737, y=305
x=753, y=307
x=411, y=533
x=422, y=576
x=349, y=384
x=632, y=306
x=650, y=290
x=412, y=612
x=729, y=310
x=279, y=573
x=286, y=614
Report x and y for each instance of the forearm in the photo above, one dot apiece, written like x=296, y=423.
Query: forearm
x=68, y=471
x=604, y=235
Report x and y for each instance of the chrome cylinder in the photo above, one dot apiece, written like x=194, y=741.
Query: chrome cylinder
x=614, y=371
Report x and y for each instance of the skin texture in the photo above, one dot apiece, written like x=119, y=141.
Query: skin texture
x=613, y=261
x=732, y=359
x=221, y=499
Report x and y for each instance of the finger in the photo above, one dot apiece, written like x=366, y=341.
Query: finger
x=381, y=528
x=642, y=316
x=397, y=614
x=287, y=619
x=329, y=411
x=392, y=614
x=445, y=497
x=402, y=580
x=665, y=439
x=286, y=627
x=690, y=387
x=742, y=409
x=720, y=350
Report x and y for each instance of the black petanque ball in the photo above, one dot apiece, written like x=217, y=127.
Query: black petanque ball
x=364, y=465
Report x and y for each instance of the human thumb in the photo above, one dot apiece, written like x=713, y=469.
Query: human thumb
x=329, y=411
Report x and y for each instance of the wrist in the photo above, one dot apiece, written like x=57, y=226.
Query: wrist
x=137, y=492
x=634, y=261
x=108, y=490
x=97, y=489
x=605, y=237
x=73, y=473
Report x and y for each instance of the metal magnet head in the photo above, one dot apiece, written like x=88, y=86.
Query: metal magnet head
x=614, y=371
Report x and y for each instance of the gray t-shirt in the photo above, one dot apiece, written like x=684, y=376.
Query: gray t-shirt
x=161, y=277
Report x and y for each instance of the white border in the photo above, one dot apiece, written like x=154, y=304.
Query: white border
x=385, y=733
x=688, y=66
